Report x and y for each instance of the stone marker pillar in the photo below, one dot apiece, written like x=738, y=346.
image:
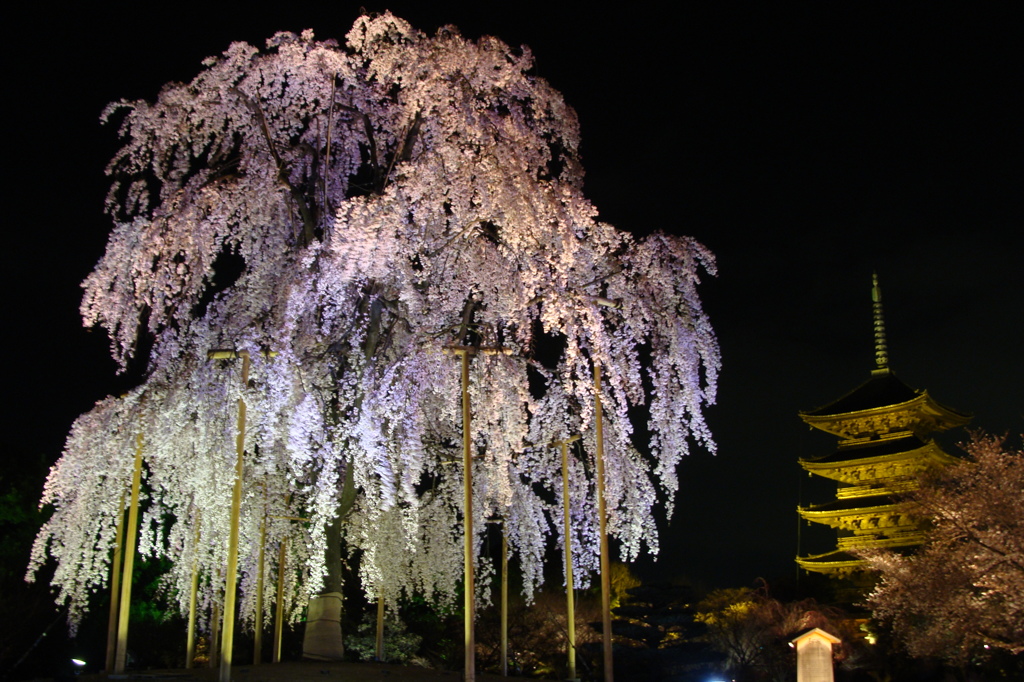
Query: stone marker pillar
x=814, y=656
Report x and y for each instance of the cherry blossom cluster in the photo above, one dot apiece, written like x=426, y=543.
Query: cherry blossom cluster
x=961, y=596
x=347, y=215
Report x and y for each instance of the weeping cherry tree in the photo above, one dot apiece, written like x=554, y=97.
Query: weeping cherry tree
x=346, y=214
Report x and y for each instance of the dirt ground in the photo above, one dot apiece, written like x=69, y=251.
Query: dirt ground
x=300, y=671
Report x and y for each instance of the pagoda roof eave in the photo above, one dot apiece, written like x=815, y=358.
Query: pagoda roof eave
x=831, y=562
x=882, y=394
x=881, y=388
x=922, y=398
x=877, y=505
x=929, y=450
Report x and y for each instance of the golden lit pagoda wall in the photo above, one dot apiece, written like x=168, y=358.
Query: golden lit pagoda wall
x=882, y=451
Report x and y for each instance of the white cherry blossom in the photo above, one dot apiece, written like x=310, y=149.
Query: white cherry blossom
x=344, y=213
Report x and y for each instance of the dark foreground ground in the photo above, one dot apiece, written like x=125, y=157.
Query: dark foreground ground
x=297, y=671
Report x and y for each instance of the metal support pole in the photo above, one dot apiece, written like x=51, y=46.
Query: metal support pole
x=469, y=586
x=231, y=584
x=380, y=629
x=570, y=594
x=129, y=563
x=504, y=600
x=606, y=613
x=279, y=606
x=190, y=639
x=258, y=644
x=115, y=589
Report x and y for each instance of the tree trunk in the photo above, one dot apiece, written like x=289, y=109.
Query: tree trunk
x=323, y=640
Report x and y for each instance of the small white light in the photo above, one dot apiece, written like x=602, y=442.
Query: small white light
x=77, y=661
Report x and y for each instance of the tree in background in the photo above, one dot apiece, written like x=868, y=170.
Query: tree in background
x=961, y=595
x=752, y=630
x=343, y=213
x=19, y=522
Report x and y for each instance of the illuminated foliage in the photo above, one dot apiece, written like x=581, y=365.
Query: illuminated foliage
x=962, y=593
x=344, y=213
x=622, y=580
x=753, y=630
x=400, y=645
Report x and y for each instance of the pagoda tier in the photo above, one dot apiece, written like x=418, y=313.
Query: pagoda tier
x=883, y=465
x=884, y=426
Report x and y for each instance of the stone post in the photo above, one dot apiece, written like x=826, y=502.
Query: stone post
x=814, y=656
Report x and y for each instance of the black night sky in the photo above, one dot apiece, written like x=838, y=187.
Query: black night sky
x=806, y=144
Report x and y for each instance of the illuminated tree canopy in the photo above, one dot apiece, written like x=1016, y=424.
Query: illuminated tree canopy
x=344, y=213
x=962, y=593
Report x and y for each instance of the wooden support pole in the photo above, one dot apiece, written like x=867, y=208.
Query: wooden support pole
x=379, y=649
x=606, y=613
x=129, y=563
x=570, y=594
x=257, y=647
x=469, y=586
x=115, y=589
x=279, y=606
x=214, y=655
x=190, y=638
x=504, y=600
x=231, y=583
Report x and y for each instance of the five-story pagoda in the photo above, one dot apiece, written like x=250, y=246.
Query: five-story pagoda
x=885, y=428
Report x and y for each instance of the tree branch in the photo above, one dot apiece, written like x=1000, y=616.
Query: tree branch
x=371, y=141
x=470, y=225
x=308, y=234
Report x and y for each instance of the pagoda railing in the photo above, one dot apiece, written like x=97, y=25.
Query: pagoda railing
x=890, y=487
x=904, y=539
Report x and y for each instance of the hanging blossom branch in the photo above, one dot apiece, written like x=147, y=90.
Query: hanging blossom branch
x=451, y=183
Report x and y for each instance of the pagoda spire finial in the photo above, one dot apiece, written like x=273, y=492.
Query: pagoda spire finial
x=881, y=350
